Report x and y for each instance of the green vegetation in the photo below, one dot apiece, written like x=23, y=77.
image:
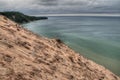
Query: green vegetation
x=20, y=17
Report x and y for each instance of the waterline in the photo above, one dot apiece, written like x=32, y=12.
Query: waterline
x=97, y=38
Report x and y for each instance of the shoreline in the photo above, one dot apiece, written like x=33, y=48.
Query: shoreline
x=48, y=52
x=99, y=15
x=78, y=42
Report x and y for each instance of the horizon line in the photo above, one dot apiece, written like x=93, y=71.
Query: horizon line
x=86, y=14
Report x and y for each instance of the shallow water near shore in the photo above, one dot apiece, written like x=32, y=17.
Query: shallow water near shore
x=97, y=38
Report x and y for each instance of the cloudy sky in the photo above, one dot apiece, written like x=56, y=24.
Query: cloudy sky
x=36, y=7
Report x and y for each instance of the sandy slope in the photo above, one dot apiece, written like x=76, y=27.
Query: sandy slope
x=27, y=56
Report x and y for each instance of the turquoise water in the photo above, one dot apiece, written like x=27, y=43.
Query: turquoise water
x=97, y=38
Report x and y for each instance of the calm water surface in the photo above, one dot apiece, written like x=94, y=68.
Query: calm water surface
x=97, y=38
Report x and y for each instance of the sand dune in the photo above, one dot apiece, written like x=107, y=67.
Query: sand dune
x=27, y=56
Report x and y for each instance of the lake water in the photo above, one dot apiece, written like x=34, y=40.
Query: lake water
x=97, y=38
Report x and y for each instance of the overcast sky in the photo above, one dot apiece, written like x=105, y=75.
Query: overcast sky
x=36, y=7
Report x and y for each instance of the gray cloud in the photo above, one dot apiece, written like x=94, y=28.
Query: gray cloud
x=61, y=6
x=47, y=2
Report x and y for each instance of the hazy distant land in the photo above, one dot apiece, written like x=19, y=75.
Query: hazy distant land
x=20, y=17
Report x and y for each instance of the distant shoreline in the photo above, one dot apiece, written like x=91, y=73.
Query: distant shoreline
x=20, y=17
x=101, y=15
